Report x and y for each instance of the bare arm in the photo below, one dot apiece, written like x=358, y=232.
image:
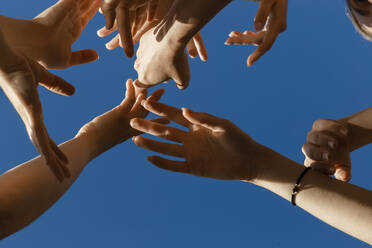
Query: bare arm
x=216, y=148
x=344, y=206
x=28, y=190
x=330, y=142
x=360, y=128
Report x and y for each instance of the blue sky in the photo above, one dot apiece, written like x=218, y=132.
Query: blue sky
x=317, y=69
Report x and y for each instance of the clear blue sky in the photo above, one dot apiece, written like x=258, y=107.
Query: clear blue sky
x=317, y=69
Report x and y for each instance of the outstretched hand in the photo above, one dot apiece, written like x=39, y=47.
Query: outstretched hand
x=270, y=21
x=64, y=23
x=212, y=147
x=327, y=149
x=19, y=79
x=122, y=10
x=112, y=127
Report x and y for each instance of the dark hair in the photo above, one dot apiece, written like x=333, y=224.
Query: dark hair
x=351, y=14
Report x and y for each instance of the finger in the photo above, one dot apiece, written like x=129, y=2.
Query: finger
x=156, y=95
x=130, y=97
x=181, y=76
x=331, y=126
x=90, y=12
x=161, y=120
x=137, y=108
x=326, y=169
x=138, y=84
x=109, y=11
x=265, y=46
x=191, y=49
x=248, y=38
x=206, y=120
x=113, y=43
x=103, y=32
x=50, y=81
x=144, y=28
x=343, y=172
x=326, y=138
x=160, y=147
x=151, y=10
x=167, y=111
x=200, y=47
x=171, y=165
x=159, y=130
x=263, y=13
x=83, y=57
x=318, y=153
x=123, y=23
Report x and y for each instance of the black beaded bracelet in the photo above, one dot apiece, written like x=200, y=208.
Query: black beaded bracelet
x=295, y=188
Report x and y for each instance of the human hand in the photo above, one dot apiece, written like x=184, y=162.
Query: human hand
x=327, y=148
x=19, y=78
x=270, y=21
x=212, y=147
x=63, y=24
x=112, y=127
x=122, y=10
x=140, y=25
x=159, y=62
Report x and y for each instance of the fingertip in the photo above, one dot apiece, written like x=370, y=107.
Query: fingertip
x=134, y=122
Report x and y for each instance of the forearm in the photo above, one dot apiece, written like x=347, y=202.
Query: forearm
x=344, y=206
x=187, y=17
x=28, y=190
x=360, y=128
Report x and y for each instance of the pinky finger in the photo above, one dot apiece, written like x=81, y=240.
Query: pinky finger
x=171, y=165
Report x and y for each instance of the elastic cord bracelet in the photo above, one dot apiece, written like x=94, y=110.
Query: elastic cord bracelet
x=296, y=186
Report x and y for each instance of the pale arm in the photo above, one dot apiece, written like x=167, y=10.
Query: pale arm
x=360, y=128
x=330, y=142
x=28, y=190
x=215, y=148
x=342, y=205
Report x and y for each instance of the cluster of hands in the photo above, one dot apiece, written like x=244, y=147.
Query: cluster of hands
x=210, y=146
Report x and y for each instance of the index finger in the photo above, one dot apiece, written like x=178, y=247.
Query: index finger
x=167, y=111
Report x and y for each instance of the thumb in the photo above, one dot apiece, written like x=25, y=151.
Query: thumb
x=83, y=57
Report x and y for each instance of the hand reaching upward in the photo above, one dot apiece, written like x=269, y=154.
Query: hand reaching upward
x=66, y=20
x=270, y=21
x=48, y=38
x=19, y=79
x=212, y=147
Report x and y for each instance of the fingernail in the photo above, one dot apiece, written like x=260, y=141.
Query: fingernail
x=134, y=138
x=332, y=144
x=325, y=156
x=143, y=102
